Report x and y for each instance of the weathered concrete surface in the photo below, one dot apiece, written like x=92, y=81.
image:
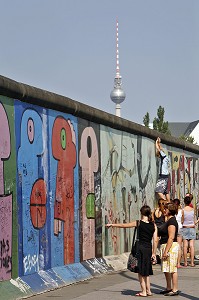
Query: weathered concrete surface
x=96, y=278
x=124, y=285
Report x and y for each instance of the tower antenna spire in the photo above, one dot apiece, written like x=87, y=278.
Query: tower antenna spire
x=117, y=95
x=117, y=51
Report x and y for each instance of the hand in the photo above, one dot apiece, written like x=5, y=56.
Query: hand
x=153, y=259
x=158, y=140
x=165, y=255
x=109, y=225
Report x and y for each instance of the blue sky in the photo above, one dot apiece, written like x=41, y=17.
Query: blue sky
x=69, y=47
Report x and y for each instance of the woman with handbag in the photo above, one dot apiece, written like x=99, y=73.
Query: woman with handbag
x=145, y=255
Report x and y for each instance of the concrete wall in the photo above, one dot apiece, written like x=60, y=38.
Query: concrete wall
x=66, y=169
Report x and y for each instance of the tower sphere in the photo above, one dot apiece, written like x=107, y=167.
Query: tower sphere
x=118, y=95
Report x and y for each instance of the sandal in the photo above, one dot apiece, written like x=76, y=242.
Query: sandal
x=165, y=292
x=140, y=295
x=176, y=293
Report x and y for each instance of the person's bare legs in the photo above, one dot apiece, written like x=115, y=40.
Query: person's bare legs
x=168, y=280
x=142, y=284
x=179, y=240
x=148, y=286
x=191, y=245
x=185, y=247
x=174, y=279
x=160, y=196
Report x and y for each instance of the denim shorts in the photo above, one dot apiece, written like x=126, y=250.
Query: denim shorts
x=162, y=185
x=189, y=233
x=180, y=231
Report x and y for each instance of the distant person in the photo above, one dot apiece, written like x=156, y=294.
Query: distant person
x=158, y=213
x=189, y=231
x=180, y=229
x=161, y=189
x=191, y=197
x=159, y=219
x=191, y=205
x=147, y=232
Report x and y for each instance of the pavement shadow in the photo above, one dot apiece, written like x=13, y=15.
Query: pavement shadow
x=155, y=289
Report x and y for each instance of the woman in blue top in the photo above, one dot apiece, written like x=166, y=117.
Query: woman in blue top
x=163, y=178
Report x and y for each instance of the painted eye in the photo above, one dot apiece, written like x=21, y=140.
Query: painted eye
x=63, y=138
x=89, y=146
x=31, y=130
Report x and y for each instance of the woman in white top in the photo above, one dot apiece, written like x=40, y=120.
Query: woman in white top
x=189, y=231
x=179, y=236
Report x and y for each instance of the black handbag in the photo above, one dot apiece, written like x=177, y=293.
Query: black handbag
x=132, y=264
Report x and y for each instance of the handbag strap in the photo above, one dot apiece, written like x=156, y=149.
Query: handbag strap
x=134, y=234
x=137, y=226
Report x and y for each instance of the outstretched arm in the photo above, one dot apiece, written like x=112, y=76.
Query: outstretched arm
x=158, y=146
x=122, y=225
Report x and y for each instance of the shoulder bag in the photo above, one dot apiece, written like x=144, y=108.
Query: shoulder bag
x=132, y=264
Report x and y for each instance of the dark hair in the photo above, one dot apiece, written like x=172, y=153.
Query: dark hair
x=189, y=195
x=172, y=207
x=146, y=211
x=176, y=201
x=187, y=200
x=161, y=201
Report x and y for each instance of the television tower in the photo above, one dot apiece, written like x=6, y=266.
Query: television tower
x=117, y=95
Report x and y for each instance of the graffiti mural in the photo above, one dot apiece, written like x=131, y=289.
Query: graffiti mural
x=124, y=187
x=64, y=151
x=64, y=195
x=5, y=200
x=32, y=192
x=71, y=177
x=90, y=208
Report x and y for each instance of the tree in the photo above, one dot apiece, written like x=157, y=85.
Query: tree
x=189, y=139
x=146, y=120
x=159, y=124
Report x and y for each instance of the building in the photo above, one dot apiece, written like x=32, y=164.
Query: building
x=178, y=129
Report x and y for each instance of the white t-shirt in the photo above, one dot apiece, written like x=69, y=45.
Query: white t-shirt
x=179, y=218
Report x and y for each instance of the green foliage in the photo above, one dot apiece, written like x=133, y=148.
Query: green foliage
x=159, y=124
x=146, y=120
x=189, y=139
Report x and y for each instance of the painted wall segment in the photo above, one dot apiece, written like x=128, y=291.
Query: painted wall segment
x=128, y=171
x=6, y=198
x=63, y=188
x=64, y=151
x=89, y=162
x=32, y=191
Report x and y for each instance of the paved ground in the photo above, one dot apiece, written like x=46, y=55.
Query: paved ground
x=124, y=285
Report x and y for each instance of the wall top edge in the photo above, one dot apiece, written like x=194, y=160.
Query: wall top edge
x=43, y=98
